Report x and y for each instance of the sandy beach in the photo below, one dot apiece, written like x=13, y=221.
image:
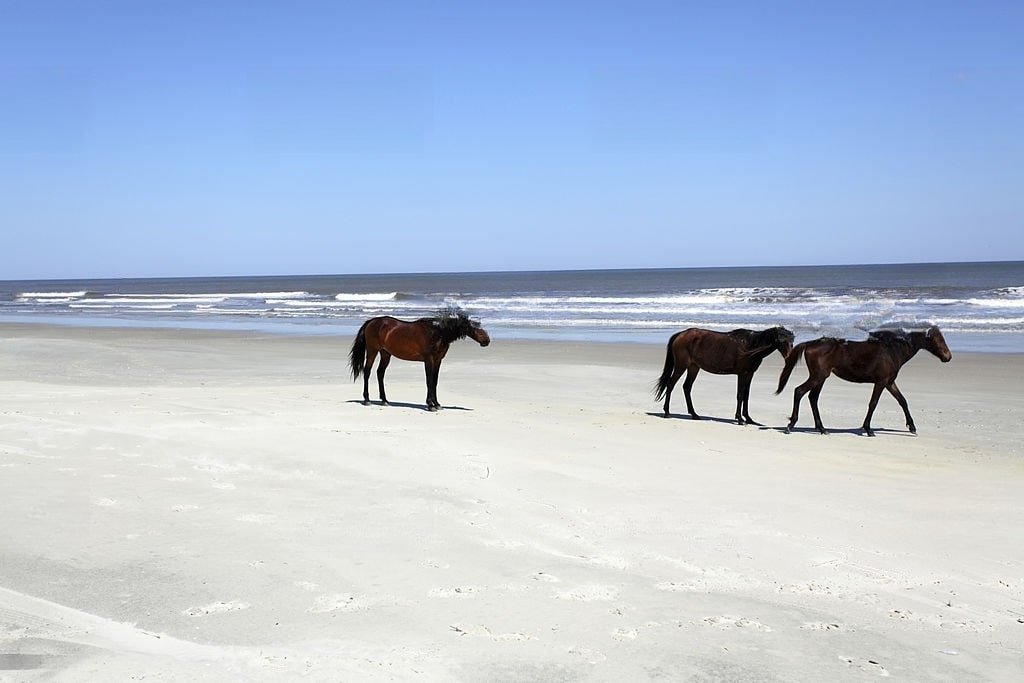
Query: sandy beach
x=210, y=506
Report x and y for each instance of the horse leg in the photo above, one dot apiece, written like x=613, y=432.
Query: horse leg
x=385, y=358
x=676, y=374
x=745, y=399
x=898, y=395
x=428, y=369
x=371, y=356
x=875, y=393
x=691, y=376
x=814, y=393
x=798, y=394
x=432, y=369
x=437, y=373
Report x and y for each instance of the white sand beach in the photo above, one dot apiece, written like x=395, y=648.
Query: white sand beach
x=207, y=506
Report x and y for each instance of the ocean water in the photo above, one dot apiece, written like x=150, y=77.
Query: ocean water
x=979, y=306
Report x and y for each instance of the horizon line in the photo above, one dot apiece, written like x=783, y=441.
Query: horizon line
x=508, y=271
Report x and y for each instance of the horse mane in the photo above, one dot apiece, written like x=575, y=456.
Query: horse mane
x=761, y=341
x=890, y=338
x=453, y=324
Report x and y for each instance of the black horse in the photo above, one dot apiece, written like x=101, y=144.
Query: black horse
x=877, y=361
x=739, y=352
x=426, y=339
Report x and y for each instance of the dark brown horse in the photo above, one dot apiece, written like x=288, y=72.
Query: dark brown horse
x=877, y=360
x=426, y=339
x=739, y=352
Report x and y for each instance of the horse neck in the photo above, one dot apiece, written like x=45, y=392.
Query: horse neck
x=762, y=343
x=904, y=351
x=447, y=337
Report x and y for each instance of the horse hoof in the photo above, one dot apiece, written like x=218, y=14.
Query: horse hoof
x=868, y=432
x=787, y=430
x=695, y=416
x=366, y=402
x=385, y=403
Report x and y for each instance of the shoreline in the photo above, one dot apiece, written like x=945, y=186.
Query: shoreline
x=228, y=496
x=979, y=342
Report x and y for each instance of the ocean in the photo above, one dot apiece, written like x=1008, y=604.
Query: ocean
x=979, y=306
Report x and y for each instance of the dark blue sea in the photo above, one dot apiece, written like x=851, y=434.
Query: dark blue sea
x=979, y=306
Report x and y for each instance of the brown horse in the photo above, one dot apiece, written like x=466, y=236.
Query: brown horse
x=739, y=352
x=426, y=339
x=877, y=360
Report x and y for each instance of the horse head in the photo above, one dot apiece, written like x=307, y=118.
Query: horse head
x=478, y=334
x=783, y=340
x=455, y=324
x=935, y=343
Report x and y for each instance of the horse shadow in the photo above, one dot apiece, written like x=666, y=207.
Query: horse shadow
x=414, y=406
x=686, y=416
x=857, y=431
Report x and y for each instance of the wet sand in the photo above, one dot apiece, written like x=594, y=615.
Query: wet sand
x=188, y=505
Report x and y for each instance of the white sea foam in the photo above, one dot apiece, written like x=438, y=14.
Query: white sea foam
x=52, y=295
x=997, y=303
x=220, y=296
x=331, y=303
x=377, y=296
x=84, y=305
x=153, y=299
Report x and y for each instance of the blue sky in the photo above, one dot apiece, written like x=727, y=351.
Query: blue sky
x=214, y=138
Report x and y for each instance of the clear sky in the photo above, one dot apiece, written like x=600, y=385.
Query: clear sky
x=173, y=138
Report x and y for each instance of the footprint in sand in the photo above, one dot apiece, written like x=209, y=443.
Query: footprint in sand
x=676, y=586
x=456, y=592
x=966, y=626
x=105, y=502
x=216, y=608
x=625, y=633
x=822, y=626
x=870, y=666
x=482, y=631
x=346, y=602
x=436, y=564
x=589, y=593
x=727, y=622
x=337, y=602
x=545, y=577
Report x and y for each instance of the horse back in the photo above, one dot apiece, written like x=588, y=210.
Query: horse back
x=862, y=362
x=405, y=340
x=715, y=352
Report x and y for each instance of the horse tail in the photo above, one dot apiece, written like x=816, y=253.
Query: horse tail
x=661, y=386
x=357, y=356
x=791, y=359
